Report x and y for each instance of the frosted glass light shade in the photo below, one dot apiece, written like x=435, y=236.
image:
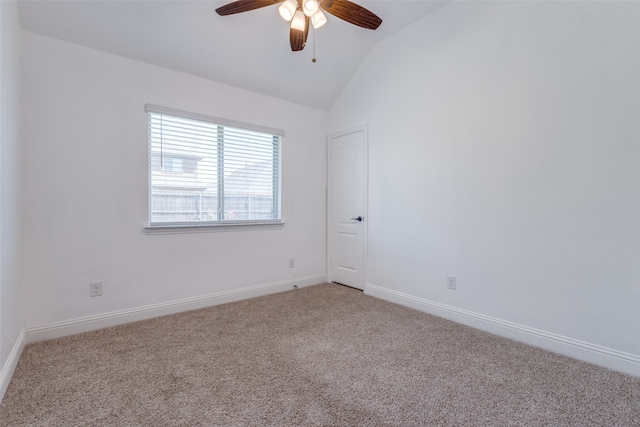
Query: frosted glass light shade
x=318, y=20
x=288, y=9
x=310, y=7
x=298, y=21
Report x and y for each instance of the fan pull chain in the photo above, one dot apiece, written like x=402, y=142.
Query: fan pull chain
x=314, y=46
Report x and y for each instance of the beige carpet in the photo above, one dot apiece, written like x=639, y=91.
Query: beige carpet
x=320, y=356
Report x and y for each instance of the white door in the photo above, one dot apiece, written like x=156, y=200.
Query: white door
x=347, y=206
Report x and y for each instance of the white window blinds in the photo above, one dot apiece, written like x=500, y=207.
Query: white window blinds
x=205, y=171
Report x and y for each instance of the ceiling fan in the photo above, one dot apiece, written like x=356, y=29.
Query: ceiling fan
x=302, y=12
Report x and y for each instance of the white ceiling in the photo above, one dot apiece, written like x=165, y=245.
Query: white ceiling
x=248, y=50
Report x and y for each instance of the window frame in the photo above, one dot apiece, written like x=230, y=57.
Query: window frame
x=216, y=225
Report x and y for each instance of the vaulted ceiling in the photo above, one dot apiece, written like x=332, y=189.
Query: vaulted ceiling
x=249, y=50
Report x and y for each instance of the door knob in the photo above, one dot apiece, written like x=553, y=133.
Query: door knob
x=357, y=219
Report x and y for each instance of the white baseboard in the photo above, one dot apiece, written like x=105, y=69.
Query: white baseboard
x=588, y=352
x=10, y=365
x=105, y=320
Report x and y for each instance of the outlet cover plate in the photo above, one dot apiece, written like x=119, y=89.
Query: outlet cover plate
x=451, y=282
x=95, y=289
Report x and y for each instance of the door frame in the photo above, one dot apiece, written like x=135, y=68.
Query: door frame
x=330, y=228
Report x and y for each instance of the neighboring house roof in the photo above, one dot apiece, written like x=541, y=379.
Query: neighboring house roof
x=255, y=178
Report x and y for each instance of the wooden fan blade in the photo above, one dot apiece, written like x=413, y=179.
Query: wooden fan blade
x=351, y=12
x=244, y=6
x=297, y=38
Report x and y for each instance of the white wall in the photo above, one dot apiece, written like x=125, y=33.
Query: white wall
x=11, y=313
x=85, y=188
x=505, y=151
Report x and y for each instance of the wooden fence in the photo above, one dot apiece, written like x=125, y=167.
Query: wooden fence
x=190, y=206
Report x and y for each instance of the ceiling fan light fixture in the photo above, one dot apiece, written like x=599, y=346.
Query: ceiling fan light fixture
x=310, y=7
x=318, y=20
x=298, y=22
x=301, y=14
x=288, y=9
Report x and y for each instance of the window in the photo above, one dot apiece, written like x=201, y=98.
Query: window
x=208, y=171
x=171, y=164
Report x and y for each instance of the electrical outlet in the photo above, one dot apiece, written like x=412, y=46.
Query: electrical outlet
x=451, y=282
x=292, y=263
x=95, y=289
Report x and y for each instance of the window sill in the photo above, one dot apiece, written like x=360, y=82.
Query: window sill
x=212, y=228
